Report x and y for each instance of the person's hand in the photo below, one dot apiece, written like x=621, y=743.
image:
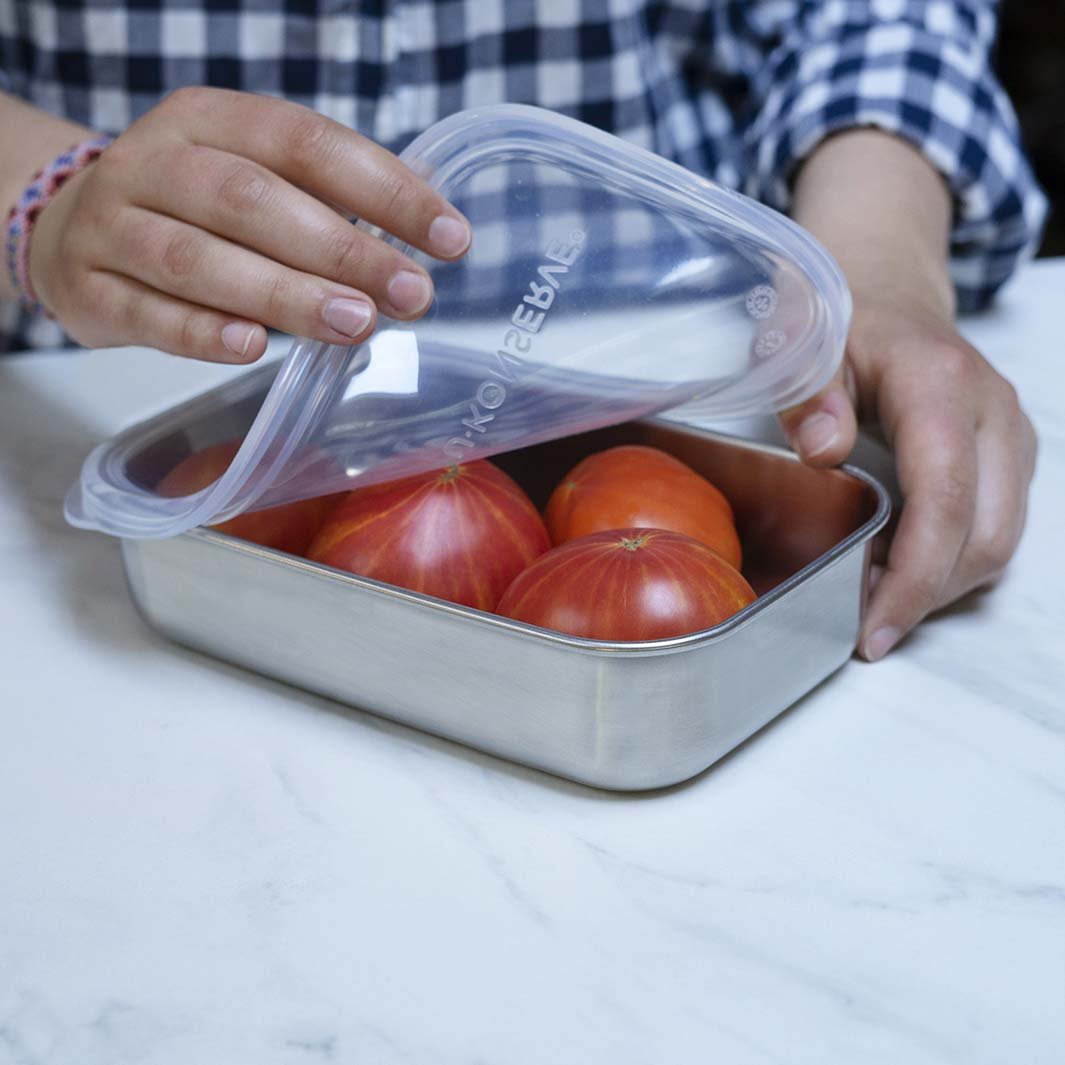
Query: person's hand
x=964, y=450
x=964, y=454
x=220, y=213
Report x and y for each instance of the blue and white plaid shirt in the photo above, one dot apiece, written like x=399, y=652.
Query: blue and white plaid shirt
x=737, y=91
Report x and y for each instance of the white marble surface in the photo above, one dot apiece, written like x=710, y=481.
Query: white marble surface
x=199, y=866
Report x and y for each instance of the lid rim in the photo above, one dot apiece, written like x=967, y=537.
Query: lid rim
x=105, y=498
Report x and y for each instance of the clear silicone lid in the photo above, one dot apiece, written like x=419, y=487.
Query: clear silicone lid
x=604, y=283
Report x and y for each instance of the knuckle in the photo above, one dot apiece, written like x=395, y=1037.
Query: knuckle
x=1008, y=395
x=189, y=99
x=989, y=556
x=277, y=297
x=924, y=591
x=180, y=255
x=244, y=189
x=953, y=364
x=396, y=192
x=309, y=136
x=189, y=334
x=347, y=254
x=954, y=494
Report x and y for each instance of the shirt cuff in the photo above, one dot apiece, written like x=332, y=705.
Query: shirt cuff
x=935, y=91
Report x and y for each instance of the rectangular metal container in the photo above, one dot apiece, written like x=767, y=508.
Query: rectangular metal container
x=613, y=715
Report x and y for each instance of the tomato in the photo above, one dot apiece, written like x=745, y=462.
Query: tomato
x=290, y=527
x=641, y=487
x=627, y=584
x=461, y=534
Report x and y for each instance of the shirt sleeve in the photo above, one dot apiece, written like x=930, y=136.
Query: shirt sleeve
x=920, y=69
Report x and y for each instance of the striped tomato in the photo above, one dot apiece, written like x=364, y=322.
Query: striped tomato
x=290, y=527
x=461, y=534
x=627, y=584
x=641, y=487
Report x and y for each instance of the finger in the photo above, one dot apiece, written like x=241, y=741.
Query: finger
x=141, y=315
x=200, y=268
x=882, y=541
x=1005, y=451
x=327, y=159
x=935, y=449
x=876, y=571
x=823, y=430
x=244, y=202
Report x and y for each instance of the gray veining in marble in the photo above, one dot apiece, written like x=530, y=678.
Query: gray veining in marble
x=201, y=866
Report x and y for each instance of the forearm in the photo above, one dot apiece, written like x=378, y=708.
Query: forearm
x=884, y=212
x=29, y=139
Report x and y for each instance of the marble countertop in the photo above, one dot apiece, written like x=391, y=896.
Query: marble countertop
x=201, y=866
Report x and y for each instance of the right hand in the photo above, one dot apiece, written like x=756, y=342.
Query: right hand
x=964, y=449
x=218, y=214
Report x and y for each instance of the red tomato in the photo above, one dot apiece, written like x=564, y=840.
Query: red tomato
x=461, y=534
x=641, y=487
x=627, y=584
x=290, y=527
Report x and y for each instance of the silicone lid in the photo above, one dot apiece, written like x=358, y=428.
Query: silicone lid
x=604, y=283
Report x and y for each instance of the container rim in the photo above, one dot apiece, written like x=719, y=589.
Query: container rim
x=580, y=644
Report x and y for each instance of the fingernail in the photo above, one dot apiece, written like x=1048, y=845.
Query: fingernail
x=348, y=317
x=238, y=337
x=448, y=236
x=817, y=433
x=409, y=292
x=881, y=642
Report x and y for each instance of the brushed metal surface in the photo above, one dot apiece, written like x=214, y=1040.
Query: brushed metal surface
x=619, y=716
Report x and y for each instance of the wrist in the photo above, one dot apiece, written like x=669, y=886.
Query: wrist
x=45, y=248
x=884, y=213
x=33, y=204
x=30, y=138
x=897, y=281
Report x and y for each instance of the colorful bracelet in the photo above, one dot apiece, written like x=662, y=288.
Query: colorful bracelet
x=37, y=195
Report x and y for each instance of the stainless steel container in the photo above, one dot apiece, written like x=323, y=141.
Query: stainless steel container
x=624, y=716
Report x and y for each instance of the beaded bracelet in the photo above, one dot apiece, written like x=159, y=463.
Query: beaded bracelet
x=36, y=196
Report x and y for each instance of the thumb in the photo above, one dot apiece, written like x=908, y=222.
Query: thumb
x=823, y=430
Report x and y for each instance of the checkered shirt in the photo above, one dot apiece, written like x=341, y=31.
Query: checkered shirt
x=737, y=91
